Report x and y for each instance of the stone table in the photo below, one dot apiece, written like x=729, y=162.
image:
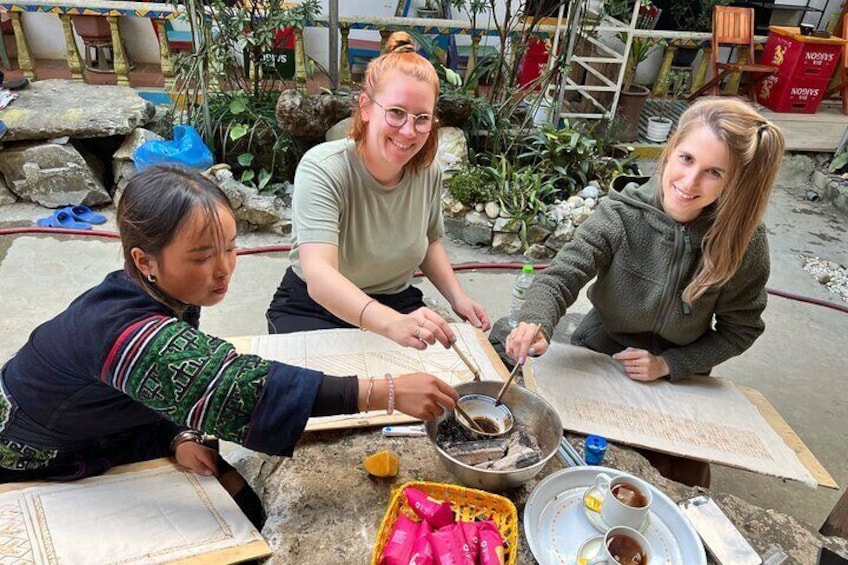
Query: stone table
x=323, y=507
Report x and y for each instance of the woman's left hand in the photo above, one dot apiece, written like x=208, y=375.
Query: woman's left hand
x=197, y=457
x=641, y=365
x=471, y=311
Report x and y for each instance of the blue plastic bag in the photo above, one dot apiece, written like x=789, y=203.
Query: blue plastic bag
x=186, y=149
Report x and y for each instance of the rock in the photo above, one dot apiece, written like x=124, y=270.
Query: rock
x=589, y=192
x=475, y=218
x=258, y=210
x=795, y=170
x=56, y=108
x=559, y=211
x=479, y=207
x=473, y=234
x=282, y=227
x=580, y=215
x=235, y=191
x=311, y=116
x=453, y=109
x=51, y=175
x=136, y=138
x=453, y=207
x=824, y=278
x=819, y=180
x=562, y=235
x=122, y=171
x=575, y=201
x=493, y=209
x=537, y=233
x=6, y=196
x=507, y=243
x=538, y=251
x=453, y=149
x=507, y=225
x=590, y=202
x=340, y=130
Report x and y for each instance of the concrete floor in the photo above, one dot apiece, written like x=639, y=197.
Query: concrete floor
x=798, y=364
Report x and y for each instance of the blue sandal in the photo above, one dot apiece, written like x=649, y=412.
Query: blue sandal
x=62, y=219
x=85, y=214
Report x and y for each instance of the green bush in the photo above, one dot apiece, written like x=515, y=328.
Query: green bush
x=468, y=186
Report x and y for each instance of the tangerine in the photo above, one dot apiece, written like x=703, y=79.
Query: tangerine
x=383, y=464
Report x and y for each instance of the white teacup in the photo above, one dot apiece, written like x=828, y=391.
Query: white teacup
x=621, y=500
x=623, y=546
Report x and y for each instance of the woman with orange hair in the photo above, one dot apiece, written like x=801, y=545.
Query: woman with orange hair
x=366, y=213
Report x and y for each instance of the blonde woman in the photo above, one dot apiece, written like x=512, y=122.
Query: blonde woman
x=681, y=259
x=366, y=213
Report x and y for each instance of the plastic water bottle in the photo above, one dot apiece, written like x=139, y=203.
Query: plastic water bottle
x=519, y=293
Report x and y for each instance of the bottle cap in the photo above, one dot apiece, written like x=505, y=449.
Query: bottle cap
x=594, y=450
x=527, y=269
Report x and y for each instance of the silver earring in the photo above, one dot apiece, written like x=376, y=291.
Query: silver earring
x=151, y=278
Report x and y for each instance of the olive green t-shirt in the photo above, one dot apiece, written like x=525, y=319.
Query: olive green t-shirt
x=382, y=233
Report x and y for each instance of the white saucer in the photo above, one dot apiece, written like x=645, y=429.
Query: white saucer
x=601, y=525
x=589, y=549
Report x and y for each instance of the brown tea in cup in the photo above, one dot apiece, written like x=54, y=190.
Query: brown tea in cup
x=629, y=495
x=626, y=550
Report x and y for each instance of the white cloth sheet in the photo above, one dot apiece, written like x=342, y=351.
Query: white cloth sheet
x=151, y=516
x=344, y=352
x=704, y=418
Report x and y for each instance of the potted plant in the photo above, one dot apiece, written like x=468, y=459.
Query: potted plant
x=632, y=97
x=659, y=125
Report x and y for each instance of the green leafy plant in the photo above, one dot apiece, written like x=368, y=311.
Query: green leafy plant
x=248, y=138
x=523, y=193
x=571, y=157
x=839, y=162
x=468, y=186
x=695, y=15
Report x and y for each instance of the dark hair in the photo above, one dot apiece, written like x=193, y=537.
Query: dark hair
x=152, y=210
x=400, y=56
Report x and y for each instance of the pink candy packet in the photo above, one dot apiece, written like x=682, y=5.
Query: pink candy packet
x=399, y=547
x=422, y=550
x=472, y=537
x=437, y=513
x=491, y=544
x=451, y=547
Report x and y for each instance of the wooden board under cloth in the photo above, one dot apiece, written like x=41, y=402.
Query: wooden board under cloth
x=704, y=418
x=150, y=512
x=365, y=354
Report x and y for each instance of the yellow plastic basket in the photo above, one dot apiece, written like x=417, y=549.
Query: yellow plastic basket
x=468, y=504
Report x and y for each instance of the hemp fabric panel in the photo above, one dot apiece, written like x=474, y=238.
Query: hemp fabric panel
x=705, y=418
x=343, y=352
x=157, y=515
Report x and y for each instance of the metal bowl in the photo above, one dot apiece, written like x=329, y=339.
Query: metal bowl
x=528, y=409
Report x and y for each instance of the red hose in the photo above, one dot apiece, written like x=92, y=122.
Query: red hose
x=282, y=248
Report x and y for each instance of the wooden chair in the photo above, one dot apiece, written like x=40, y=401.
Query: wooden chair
x=733, y=26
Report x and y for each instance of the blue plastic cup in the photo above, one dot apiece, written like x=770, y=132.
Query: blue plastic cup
x=594, y=450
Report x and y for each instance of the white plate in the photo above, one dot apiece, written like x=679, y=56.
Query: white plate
x=555, y=523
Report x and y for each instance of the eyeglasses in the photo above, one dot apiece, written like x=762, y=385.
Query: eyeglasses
x=397, y=117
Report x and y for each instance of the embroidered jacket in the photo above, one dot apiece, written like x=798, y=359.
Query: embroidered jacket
x=117, y=369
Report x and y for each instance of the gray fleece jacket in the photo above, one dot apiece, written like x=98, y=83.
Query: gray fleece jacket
x=643, y=261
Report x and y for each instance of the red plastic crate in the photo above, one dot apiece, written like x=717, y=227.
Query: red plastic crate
x=797, y=55
x=798, y=94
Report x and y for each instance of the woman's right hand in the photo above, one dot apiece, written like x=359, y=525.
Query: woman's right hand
x=423, y=396
x=524, y=340
x=419, y=329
